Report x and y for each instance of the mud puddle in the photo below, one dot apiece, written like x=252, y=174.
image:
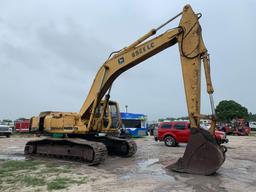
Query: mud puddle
x=144, y=164
x=150, y=169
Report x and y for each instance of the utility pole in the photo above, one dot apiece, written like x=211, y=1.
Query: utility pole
x=126, y=108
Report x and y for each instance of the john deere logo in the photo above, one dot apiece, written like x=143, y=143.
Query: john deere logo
x=121, y=60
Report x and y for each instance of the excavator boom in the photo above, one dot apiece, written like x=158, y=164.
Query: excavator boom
x=122, y=61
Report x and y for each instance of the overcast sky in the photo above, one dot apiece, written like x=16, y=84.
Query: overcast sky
x=51, y=50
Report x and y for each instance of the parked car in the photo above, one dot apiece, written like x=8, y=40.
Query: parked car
x=252, y=125
x=173, y=133
x=5, y=130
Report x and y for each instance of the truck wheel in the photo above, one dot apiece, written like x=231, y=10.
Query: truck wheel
x=169, y=141
x=8, y=135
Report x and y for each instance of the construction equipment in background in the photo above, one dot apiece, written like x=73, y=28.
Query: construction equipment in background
x=240, y=127
x=82, y=132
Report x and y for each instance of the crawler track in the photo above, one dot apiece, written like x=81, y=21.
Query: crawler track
x=120, y=146
x=73, y=149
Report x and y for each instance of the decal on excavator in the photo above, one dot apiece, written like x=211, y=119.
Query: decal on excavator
x=143, y=49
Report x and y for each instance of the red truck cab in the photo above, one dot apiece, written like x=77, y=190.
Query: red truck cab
x=22, y=125
x=176, y=132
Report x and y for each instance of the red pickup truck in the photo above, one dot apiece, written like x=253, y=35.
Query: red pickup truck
x=176, y=132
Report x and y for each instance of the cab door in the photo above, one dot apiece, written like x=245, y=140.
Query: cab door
x=182, y=131
x=164, y=129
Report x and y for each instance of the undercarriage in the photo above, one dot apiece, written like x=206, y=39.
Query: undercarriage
x=91, y=150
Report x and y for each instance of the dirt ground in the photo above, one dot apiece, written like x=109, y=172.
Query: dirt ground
x=146, y=170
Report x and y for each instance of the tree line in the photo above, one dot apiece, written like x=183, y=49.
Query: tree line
x=226, y=111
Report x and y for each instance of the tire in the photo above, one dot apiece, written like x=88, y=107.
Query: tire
x=8, y=135
x=169, y=141
x=219, y=141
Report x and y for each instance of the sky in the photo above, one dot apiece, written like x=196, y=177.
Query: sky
x=50, y=51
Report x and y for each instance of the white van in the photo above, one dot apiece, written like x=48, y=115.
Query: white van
x=252, y=125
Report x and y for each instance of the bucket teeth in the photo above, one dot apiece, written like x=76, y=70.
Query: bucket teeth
x=202, y=155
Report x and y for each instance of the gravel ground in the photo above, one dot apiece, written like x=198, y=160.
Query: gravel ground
x=146, y=170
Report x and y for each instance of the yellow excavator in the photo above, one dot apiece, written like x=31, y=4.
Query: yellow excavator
x=95, y=131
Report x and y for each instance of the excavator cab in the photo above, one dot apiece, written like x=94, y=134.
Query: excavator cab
x=108, y=116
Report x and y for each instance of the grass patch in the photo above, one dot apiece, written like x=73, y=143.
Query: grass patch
x=55, y=168
x=5, y=174
x=81, y=180
x=59, y=183
x=64, y=182
x=51, y=170
x=15, y=175
x=33, y=181
x=17, y=134
x=51, y=165
x=10, y=180
x=16, y=165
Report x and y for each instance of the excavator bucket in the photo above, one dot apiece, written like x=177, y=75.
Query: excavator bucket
x=202, y=155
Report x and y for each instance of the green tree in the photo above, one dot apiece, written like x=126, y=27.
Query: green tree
x=227, y=110
x=170, y=118
x=252, y=117
x=7, y=120
x=160, y=119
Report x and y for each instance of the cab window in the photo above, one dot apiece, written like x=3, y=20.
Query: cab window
x=180, y=126
x=166, y=126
